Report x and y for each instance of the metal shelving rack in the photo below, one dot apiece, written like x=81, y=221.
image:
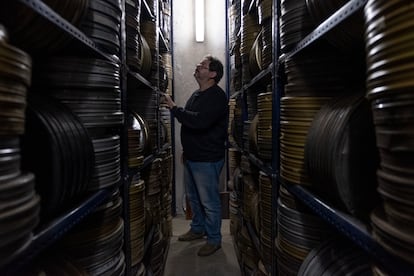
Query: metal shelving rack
x=270, y=169
x=161, y=44
x=56, y=229
x=345, y=224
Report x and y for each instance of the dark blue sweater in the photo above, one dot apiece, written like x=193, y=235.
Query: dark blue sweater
x=204, y=125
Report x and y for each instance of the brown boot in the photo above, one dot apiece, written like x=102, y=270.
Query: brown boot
x=190, y=236
x=208, y=249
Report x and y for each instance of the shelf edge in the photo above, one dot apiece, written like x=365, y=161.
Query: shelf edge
x=340, y=15
x=352, y=229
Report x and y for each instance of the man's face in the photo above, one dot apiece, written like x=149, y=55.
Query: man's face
x=202, y=71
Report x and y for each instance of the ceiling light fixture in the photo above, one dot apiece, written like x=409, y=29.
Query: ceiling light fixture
x=199, y=20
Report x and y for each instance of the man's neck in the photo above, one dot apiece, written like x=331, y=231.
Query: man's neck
x=206, y=85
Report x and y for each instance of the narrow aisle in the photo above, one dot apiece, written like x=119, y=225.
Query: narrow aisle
x=182, y=257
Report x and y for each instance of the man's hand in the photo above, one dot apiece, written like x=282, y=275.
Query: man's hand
x=165, y=98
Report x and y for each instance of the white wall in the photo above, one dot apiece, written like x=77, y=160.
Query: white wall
x=187, y=53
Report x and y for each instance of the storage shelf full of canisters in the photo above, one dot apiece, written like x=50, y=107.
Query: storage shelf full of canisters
x=339, y=124
x=79, y=157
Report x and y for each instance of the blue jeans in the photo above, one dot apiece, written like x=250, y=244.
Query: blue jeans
x=202, y=181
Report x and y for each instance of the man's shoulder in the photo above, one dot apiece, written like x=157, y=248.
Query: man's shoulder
x=218, y=91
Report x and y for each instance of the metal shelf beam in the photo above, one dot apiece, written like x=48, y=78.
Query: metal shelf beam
x=340, y=15
x=55, y=230
x=49, y=14
x=147, y=10
x=141, y=79
x=262, y=74
x=163, y=42
x=353, y=229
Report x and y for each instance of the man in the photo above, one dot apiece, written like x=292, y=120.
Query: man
x=203, y=135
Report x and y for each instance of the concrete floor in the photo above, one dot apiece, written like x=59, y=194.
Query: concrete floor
x=182, y=257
